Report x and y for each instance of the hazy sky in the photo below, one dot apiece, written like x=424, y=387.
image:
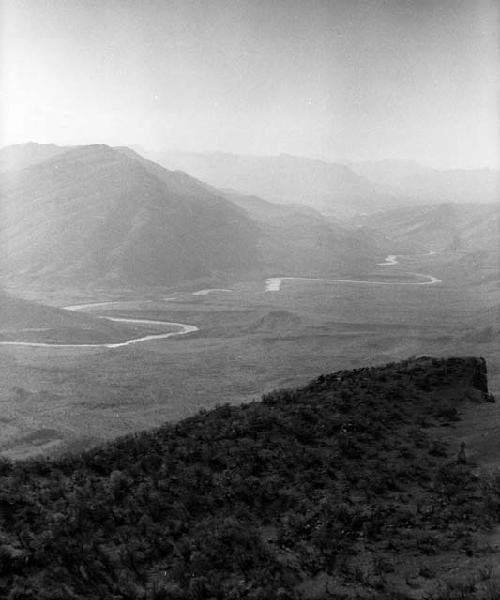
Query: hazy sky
x=334, y=79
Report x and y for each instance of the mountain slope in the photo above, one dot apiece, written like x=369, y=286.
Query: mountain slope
x=94, y=214
x=108, y=216
x=457, y=227
x=297, y=239
x=423, y=185
x=20, y=156
x=331, y=188
x=26, y=321
x=337, y=189
x=344, y=485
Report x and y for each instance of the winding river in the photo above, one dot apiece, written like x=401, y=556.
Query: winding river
x=183, y=329
x=272, y=284
x=392, y=259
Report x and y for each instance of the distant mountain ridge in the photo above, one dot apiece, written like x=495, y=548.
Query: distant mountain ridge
x=455, y=227
x=100, y=215
x=341, y=189
x=331, y=188
x=298, y=239
x=19, y=156
x=424, y=185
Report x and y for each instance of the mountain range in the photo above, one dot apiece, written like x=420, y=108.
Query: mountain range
x=443, y=227
x=94, y=213
x=98, y=215
x=330, y=188
x=86, y=214
x=299, y=239
x=341, y=189
x=19, y=156
x=425, y=185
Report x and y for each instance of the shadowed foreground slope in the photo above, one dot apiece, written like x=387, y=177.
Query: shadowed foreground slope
x=340, y=489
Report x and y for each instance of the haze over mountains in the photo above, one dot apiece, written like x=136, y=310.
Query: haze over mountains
x=331, y=188
x=444, y=227
x=192, y=327
x=402, y=206
x=299, y=239
x=99, y=215
x=334, y=188
x=81, y=220
x=19, y=156
x=94, y=213
x=423, y=185
x=88, y=214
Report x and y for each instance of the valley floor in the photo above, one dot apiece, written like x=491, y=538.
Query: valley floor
x=250, y=341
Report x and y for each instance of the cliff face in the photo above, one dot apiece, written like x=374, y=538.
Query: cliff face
x=343, y=485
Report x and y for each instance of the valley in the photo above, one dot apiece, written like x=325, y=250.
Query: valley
x=249, y=300
x=241, y=341
x=134, y=295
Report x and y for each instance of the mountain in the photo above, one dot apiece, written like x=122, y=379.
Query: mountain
x=19, y=156
x=296, y=239
x=389, y=173
x=347, y=484
x=331, y=188
x=466, y=238
x=108, y=216
x=337, y=189
x=454, y=227
x=292, y=238
x=424, y=185
x=93, y=213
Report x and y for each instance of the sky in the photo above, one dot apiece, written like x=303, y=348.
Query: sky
x=331, y=79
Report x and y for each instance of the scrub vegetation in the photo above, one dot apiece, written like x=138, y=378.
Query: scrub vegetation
x=340, y=489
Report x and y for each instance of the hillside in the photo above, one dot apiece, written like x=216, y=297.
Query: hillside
x=337, y=189
x=460, y=228
x=423, y=185
x=93, y=214
x=18, y=313
x=330, y=188
x=20, y=156
x=297, y=239
x=101, y=216
x=340, y=489
x=22, y=320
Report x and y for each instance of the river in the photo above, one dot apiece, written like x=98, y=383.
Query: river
x=272, y=284
x=183, y=330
